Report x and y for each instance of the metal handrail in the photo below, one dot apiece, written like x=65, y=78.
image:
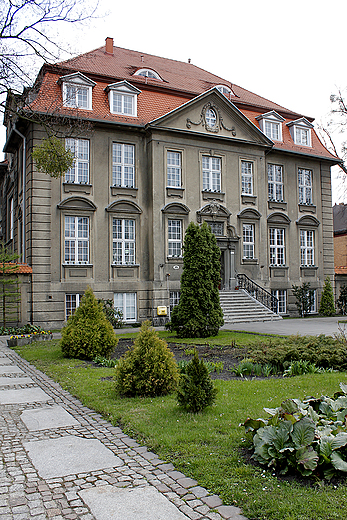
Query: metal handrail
x=259, y=293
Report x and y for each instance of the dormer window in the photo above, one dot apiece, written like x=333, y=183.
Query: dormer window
x=77, y=91
x=223, y=89
x=123, y=98
x=300, y=130
x=147, y=73
x=271, y=125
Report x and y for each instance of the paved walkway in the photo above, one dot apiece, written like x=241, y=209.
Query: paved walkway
x=60, y=460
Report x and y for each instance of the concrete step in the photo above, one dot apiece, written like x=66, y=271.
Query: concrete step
x=239, y=306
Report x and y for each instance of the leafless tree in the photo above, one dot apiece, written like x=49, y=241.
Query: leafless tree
x=27, y=37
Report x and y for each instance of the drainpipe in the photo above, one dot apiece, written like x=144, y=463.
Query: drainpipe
x=24, y=191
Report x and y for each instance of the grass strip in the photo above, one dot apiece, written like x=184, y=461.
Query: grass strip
x=209, y=447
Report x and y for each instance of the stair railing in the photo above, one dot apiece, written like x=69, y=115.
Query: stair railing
x=262, y=295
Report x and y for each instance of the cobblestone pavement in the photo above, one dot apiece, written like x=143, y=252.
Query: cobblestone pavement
x=138, y=486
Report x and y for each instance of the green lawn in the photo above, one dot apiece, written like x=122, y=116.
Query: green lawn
x=210, y=446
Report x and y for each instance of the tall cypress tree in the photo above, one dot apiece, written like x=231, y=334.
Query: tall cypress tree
x=199, y=313
x=327, y=306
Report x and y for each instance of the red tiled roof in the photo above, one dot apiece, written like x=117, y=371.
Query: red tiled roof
x=181, y=83
x=22, y=268
x=341, y=270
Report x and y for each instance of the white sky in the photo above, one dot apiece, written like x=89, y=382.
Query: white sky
x=292, y=53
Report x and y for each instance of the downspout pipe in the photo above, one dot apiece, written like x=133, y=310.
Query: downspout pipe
x=24, y=191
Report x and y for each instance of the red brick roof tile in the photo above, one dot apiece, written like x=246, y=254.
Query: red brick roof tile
x=22, y=268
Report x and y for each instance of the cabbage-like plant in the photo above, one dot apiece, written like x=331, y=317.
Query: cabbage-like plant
x=308, y=436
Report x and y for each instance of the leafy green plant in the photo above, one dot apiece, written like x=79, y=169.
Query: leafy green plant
x=307, y=436
x=88, y=333
x=304, y=297
x=114, y=316
x=267, y=370
x=195, y=389
x=198, y=313
x=148, y=368
x=52, y=158
x=105, y=362
x=9, y=285
x=214, y=366
x=327, y=306
x=300, y=367
x=189, y=351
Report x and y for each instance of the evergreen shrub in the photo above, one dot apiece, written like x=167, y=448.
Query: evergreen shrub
x=195, y=389
x=88, y=332
x=327, y=306
x=148, y=368
x=342, y=300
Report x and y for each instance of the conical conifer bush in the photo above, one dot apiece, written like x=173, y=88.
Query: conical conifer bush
x=88, y=332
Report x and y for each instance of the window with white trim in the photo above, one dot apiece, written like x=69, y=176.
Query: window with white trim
x=277, y=247
x=211, y=117
x=72, y=301
x=247, y=177
x=148, y=73
x=248, y=241
x=275, y=182
x=305, y=186
x=123, y=165
x=174, y=299
x=273, y=130
x=123, y=98
x=76, y=244
x=77, y=96
x=281, y=306
x=224, y=89
x=174, y=169
x=126, y=303
x=11, y=218
x=313, y=307
x=79, y=172
x=306, y=247
x=302, y=136
x=123, y=241
x=174, y=238
x=211, y=173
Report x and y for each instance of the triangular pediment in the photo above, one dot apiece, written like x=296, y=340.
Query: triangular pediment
x=213, y=115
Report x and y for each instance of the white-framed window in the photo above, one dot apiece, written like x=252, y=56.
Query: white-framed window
x=211, y=117
x=79, y=172
x=247, y=177
x=123, y=165
x=76, y=244
x=313, y=308
x=306, y=247
x=126, y=302
x=273, y=130
x=123, y=236
x=77, y=96
x=211, y=173
x=302, y=136
x=148, y=73
x=305, y=186
x=123, y=98
x=72, y=301
x=275, y=182
x=277, y=246
x=281, y=306
x=248, y=241
x=174, y=238
x=223, y=89
x=174, y=299
x=174, y=169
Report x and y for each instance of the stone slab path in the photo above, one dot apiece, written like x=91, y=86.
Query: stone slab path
x=61, y=460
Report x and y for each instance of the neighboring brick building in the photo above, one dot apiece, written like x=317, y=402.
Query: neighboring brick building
x=340, y=245
x=170, y=143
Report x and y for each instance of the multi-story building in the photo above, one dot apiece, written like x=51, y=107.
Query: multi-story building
x=159, y=143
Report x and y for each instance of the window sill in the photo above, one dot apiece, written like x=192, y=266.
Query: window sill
x=124, y=190
x=307, y=208
x=310, y=267
x=251, y=261
x=274, y=204
x=78, y=265
x=248, y=199
x=274, y=266
x=77, y=187
x=172, y=191
x=126, y=266
x=175, y=259
x=213, y=195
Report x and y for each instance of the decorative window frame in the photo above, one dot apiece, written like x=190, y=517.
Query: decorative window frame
x=123, y=165
x=124, y=210
x=170, y=187
x=272, y=118
x=77, y=160
x=250, y=216
x=278, y=220
x=248, y=197
x=148, y=73
x=304, y=125
x=224, y=89
x=123, y=88
x=275, y=183
x=78, y=81
x=174, y=211
x=305, y=200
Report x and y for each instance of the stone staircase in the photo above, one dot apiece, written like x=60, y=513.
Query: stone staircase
x=239, y=306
